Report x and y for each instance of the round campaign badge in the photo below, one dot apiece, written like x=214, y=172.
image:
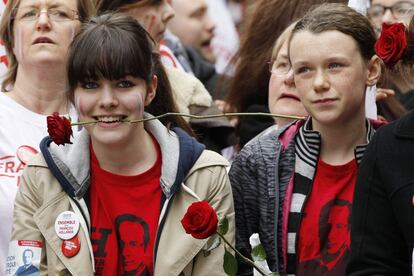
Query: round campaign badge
x=67, y=225
x=71, y=247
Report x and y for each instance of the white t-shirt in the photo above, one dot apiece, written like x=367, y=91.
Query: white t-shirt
x=21, y=131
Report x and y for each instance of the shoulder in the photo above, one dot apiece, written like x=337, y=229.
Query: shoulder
x=187, y=88
x=394, y=135
x=37, y=161
x=180, y=77
x=268, y=139
x=209, y=158
x=208, y=173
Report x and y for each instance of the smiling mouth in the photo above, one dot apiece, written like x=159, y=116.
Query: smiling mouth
x=110, y=119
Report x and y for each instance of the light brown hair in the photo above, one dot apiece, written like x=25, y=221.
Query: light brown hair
x=339, y=17
x=86, y=8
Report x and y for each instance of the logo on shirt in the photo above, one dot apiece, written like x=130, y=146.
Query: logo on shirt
x=11, y=166
x=334, y=240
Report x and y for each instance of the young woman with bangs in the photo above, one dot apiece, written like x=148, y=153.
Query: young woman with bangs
x=36, y=35
x=127, y=184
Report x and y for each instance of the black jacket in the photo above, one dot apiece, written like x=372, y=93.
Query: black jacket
x=382, y=226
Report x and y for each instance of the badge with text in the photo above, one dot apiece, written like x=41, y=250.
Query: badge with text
x=24, y=257
x=67, y=225
x=71, y=247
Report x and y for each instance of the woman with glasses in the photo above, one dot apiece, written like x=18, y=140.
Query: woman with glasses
x=36, y=35
x=389, y=11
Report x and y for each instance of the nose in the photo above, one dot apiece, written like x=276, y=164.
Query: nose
x=108, y=99
x=168, y=13
x=388, y=17
x=210, y=25
x=320, y=82
x=43, y=22
x=289, y=79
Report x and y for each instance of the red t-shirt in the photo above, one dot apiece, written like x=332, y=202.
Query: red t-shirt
x=124, y=217
x=324, y=235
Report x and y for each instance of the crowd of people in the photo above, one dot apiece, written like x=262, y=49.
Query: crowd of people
x=327, y=186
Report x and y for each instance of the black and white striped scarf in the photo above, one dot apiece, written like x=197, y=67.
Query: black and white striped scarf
x=307, y=148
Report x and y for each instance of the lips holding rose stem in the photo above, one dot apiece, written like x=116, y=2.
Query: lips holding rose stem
x=60, y=127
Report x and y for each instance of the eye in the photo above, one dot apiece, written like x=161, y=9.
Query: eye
x=302, y=70
x=59, y=13
x=125, y=84
x=89, y=85
x=282, y=65
x=29, y=13
x=334, y=65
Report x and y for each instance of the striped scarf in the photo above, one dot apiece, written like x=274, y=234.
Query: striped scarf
x=307, y=148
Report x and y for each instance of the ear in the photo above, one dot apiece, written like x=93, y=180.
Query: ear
x=373, y=70
x=151, y=90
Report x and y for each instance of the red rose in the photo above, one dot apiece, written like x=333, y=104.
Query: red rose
x=59, y=129
x=392, y=43
x=200, y=220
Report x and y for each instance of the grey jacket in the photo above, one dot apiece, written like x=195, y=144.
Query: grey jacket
x=257, y=203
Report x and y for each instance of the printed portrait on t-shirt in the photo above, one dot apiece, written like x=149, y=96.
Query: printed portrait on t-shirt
x=334, y=240
x=27, y=268
x=133, y=240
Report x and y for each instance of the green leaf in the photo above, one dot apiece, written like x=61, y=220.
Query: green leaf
x=274, y=274
x=230, y=264
x=223, y=226
x=258, y=253
x=212, y=243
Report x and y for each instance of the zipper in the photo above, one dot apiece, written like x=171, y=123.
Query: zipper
x=277, y=202
x=85, y=225
x=166, y=202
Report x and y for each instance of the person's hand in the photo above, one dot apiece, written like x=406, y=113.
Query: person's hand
x=383, y=93
x=224, y=107
x=221, y=105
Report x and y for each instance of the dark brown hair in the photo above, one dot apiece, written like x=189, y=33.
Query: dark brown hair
x=86, y=8
x=269, y=19
x=339, y=17
x=112, y=46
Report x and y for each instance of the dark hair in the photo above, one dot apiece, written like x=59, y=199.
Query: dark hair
x=131, y=218
x=86, y=8
x=116, y=5
x=339, y=17
x=325, y=227
x=27, y=250
x=112, y=46
x=269, y=19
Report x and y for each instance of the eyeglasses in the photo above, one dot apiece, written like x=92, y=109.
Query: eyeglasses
x=399, y=10
x=279, y=68
x=55, y=14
